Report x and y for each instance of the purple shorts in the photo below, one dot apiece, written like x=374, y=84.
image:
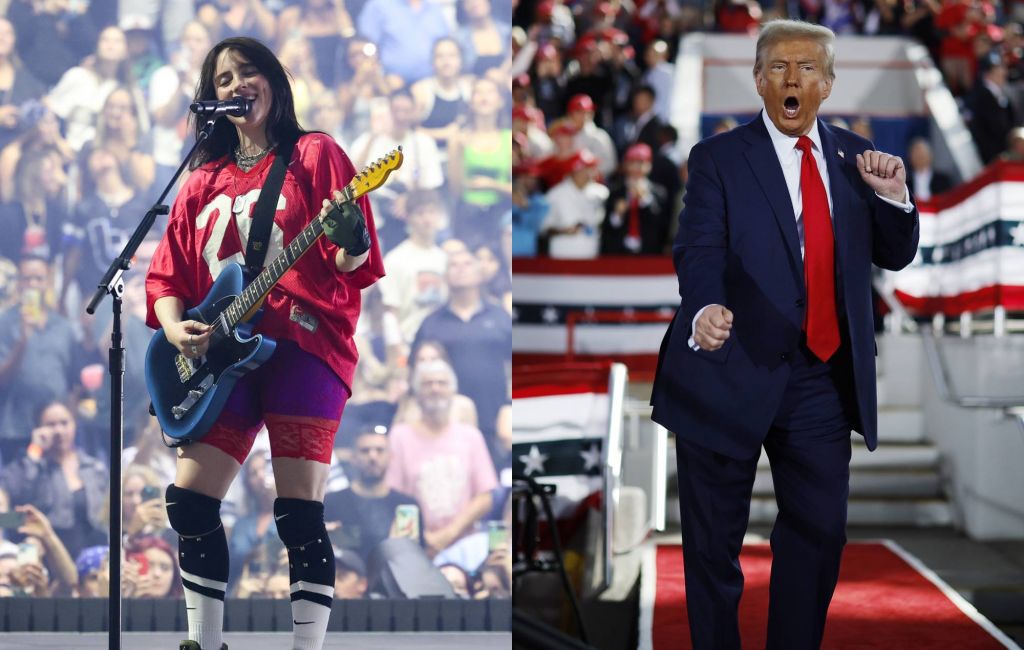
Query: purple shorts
x=298, y=397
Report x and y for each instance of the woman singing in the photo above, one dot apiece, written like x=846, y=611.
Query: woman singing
x=300, y=392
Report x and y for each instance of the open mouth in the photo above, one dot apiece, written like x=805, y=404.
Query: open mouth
x=791, y=106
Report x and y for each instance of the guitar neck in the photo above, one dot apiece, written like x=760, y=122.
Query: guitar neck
x=249, y=300
x=246, y=304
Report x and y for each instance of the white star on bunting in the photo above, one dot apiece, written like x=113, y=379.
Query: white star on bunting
x=1018, y=234
x=591, y=457
x=534, y=461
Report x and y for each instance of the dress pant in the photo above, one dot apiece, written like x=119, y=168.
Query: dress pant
x=809, y=449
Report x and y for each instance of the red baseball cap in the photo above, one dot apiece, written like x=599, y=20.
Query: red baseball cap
x=582, y=160
x=522, y=113
x=639, y=152
x=581, y=102
x=545, y=8
x=615, y=35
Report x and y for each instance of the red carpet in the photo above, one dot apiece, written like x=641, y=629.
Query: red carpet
x=881, y=603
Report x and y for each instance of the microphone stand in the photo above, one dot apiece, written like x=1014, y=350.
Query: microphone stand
x=113, y=284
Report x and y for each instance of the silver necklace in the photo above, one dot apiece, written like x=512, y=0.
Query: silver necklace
x=246, y=162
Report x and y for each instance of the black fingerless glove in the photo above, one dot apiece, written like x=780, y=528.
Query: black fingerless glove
x=345, y=226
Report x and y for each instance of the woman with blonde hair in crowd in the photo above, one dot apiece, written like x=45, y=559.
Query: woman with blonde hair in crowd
x=35, y=214
x=42, y=131
x=79, y=95
x=142, y=503
x=118, y=130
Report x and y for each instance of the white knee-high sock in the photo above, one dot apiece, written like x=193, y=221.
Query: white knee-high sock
x=309, y=619
x=205, y=613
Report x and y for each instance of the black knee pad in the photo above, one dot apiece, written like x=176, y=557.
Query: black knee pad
x=190, y=513
x=300, y=524
x=202, y=545
x=298, y=521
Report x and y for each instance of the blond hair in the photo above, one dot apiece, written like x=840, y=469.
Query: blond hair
x=776, y=31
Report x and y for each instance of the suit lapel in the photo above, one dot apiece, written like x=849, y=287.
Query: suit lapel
x=764, y=164
x=838, y=184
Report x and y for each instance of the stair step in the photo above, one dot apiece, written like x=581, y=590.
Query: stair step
x=879, y=484
x=873, y=512
x=909, y=457
x=900, y=425
x=862, y=512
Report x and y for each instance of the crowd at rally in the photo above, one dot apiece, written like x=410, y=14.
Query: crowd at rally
x=94, y=101
x=598, y=169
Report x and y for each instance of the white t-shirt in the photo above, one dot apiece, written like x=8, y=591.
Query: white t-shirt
x=414, y=285
x=77, y=99
x=572, y=205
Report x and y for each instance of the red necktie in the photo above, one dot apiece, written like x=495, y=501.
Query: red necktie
x=820, y=322
x=633, y=229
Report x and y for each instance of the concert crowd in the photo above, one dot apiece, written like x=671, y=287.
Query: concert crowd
x=94, y=100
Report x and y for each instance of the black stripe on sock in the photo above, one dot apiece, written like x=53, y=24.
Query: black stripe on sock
x=313, y=597
x=200, y=589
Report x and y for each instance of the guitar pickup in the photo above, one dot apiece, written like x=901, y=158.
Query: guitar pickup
x=194, y=395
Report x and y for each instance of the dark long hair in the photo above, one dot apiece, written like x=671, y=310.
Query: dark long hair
x=281, y=123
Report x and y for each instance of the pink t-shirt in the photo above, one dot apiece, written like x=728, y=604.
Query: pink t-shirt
x=443, y=472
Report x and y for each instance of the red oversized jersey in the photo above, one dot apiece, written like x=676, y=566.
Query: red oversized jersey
x=314, y=304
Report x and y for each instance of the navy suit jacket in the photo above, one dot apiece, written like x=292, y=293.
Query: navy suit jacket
x=738, y=246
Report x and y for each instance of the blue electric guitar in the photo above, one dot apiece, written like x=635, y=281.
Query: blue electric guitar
x=189, y=394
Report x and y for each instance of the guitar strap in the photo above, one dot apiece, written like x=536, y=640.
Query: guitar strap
x=266, y=206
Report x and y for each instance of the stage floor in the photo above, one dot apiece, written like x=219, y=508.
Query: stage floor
x=266, y=640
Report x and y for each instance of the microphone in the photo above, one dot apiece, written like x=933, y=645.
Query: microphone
x=236, y=106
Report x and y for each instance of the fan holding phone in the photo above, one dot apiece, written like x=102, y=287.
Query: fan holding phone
x=54, y=475
x=40, y=552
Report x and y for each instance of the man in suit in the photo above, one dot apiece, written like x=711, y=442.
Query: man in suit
x=642, y=124
x=994, y=113
x=922, y=178
x=772, y=344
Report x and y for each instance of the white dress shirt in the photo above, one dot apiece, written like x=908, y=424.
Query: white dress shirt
x=790, y=159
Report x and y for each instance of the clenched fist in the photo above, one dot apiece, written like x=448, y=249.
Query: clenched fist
x=884, y=174
x=713, y=327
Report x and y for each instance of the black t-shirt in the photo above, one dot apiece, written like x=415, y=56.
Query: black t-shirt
x=365, y=522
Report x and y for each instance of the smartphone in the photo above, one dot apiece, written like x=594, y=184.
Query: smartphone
x=32, y=304
x=407, y=521
x=150, y=492
x=141, y=560
x=497, y=536
x=27, y=553
x=12, y=519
